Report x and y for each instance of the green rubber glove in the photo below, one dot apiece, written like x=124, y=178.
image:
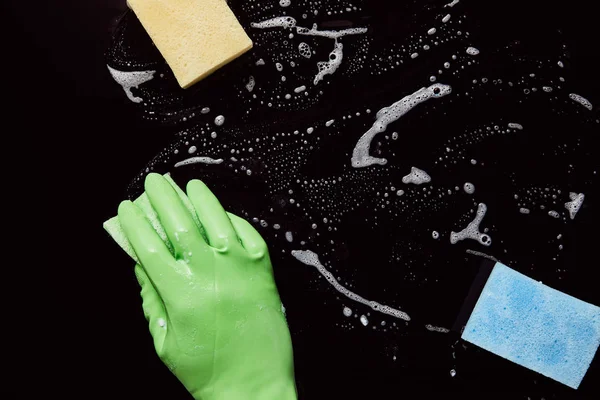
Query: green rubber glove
x=214, y=311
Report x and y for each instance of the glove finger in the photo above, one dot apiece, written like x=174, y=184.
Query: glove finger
x=251, y=240
x=214, y=219
x=152, y=252
x=154, y=309
x=179, y=226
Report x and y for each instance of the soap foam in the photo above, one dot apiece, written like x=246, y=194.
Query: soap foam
x=219, y=120
x=472, y=230
x=574, y=205
x=310, y=258
x=416, y=176
x=387, y=115
x=554, y=214
x=277, y=22
x=131, y=79
x=452, y=3
x=196, y=160
x=514, y=125
x=469, y=188
x=304, y=50
x=289, y=236
x=364, y=320
x=329, y=34
x=439, y=329
x=329, y=67
x=250, y=84
x=472, y=51
x=581, y=100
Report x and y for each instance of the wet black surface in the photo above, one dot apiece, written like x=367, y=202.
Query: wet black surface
x=395, y=261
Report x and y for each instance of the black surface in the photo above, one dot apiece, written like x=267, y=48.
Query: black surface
x=105, y=143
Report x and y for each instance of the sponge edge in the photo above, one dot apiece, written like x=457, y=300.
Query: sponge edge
x=195, y=37
x=114, y=229
x=535, y=326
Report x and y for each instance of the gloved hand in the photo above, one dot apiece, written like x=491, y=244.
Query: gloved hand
x=213, y=307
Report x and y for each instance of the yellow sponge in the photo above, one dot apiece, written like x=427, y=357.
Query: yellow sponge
x=196, y=37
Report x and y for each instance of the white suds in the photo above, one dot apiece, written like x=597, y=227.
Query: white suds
x=219, y=120
x=387, y=115
x=329, y=34
x=554, y=214
x=196, y=160
x=277, y=22
x=452, y=4
x=289, y=236
x=364, y=320
x=480, y=254
x=524, y=210
x=414, y=55
x=131, y=79
x=581, y=100
x=205, y=110
x=304, y=50
x=472, y=230
x=435, y=234
x=431, y=31
x=330, y=122
x=399, y=192
x=446, y=18
x=514, y=125
x=439, y=329
x=416, y=176
x=469, y=188
x=250, y=84
x=347, y=311
x=574, y=205
x=310, y=258
x=335, y=57
x=472, y=51
x=329, y=67
x=284, y=3
x=260, y=62
x=300, y=89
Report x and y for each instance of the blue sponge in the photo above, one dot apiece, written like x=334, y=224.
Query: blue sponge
x=535, y=326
